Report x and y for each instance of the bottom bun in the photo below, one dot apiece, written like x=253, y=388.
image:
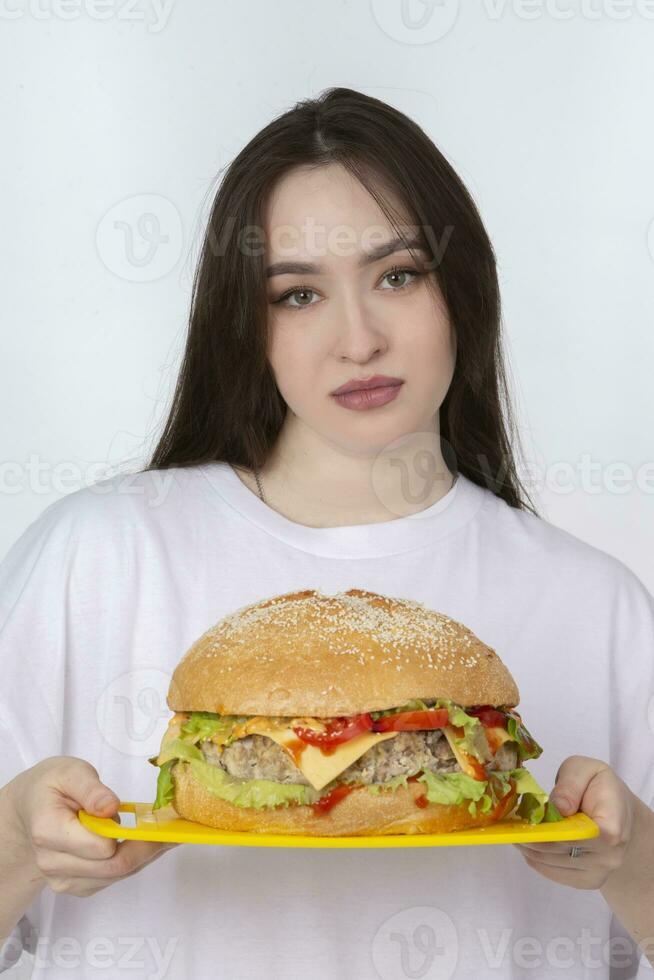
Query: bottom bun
x=359, y=813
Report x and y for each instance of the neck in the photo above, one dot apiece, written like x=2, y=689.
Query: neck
x=316, y=483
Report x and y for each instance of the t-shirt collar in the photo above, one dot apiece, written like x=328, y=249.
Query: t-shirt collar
x=394, y=536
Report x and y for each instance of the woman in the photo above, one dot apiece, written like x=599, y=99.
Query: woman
x=341, y=247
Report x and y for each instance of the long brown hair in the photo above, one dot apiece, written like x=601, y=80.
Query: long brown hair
x=226, y=405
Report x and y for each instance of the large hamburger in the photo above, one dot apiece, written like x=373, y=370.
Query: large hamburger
x=345, y=714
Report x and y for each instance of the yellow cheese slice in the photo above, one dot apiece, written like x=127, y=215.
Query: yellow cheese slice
x=449, y=735
x=318, y=767
x=461, y=757
x=498, y=736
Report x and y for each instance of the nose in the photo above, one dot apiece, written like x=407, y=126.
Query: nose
x=360, y=334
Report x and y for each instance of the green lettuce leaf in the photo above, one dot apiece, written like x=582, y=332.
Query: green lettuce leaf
x=415, y=705
x=458, y=716
x=204, y=724
x=486, y=804
x=257, y=793
x=449, y=787
x=176, y=748
x=165, y=788
x=473, y=741
x=535, y=805
x=454, y=788
x=242, y=792
x=528, y=747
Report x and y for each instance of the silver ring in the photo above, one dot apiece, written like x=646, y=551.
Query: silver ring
x=576, y=851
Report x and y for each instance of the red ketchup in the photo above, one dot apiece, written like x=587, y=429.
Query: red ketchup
x=326, y=802
x=421, y=800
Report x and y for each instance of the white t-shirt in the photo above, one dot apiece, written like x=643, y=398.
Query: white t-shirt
x=103, y=594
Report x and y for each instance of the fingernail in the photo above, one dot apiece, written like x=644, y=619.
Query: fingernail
x=103, y=802
x=562, y=803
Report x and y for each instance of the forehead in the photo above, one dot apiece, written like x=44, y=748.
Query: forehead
x=326, y=212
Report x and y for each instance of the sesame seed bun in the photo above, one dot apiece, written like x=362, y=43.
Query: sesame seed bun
x=309, y=654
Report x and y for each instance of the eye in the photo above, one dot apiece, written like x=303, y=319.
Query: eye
x=304, y=290
x=296, y=291
x=395, y=271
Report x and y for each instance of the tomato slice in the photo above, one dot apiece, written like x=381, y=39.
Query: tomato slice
x=412, y=721
x=489, y=717
x=338, y=730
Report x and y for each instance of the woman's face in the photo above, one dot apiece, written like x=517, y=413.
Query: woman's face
x=351, y=320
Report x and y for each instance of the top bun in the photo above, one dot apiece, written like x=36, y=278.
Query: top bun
x=312, y=655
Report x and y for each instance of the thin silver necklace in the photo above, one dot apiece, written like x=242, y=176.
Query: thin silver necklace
x=260, y=488
x=256, y=477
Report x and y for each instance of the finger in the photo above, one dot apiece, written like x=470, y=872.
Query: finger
x=79, y=781
x=608, y=806
x=556, y=861
x=555, y=847
x=572, y=877
x=130, y=856
x=75, y=785
x=58, y=828
x=89, y=886
x=572, y=779
x=605, y=800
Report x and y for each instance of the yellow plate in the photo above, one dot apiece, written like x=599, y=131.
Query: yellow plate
x=164, y=825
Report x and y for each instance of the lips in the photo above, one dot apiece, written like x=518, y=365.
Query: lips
x=362, y=399
x=365, y=384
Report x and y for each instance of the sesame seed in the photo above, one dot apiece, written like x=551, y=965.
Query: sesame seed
x=357, y=627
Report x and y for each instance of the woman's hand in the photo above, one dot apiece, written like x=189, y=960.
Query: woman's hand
x=592, y=787
x=46, y=833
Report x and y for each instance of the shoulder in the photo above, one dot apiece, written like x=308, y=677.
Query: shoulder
x=535, y=543
x=124, y=500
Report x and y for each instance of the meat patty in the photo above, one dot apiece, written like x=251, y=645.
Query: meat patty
x=259, y=757
x=255, y=757
x=403, y=755
x=505, y=758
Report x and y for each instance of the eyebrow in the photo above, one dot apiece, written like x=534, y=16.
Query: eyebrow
x=365, y=258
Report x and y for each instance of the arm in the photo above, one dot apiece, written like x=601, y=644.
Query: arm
x=629, y=889
x=20, y=879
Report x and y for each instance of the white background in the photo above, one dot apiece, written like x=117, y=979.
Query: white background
x=116, y=110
